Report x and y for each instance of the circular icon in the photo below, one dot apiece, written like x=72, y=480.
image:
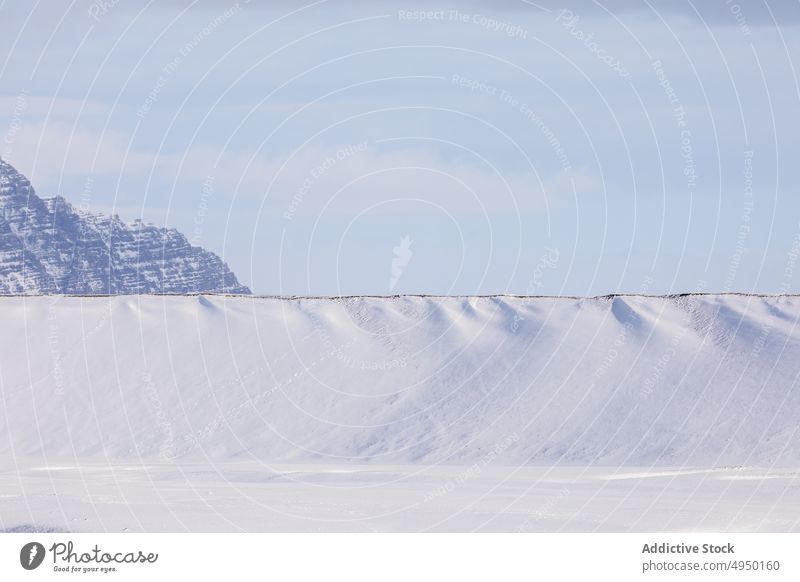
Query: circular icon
x=31, y=555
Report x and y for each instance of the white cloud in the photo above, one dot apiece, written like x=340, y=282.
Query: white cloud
x=352, y=177
x=43, y=106
x=46, y=150
x=346, y=178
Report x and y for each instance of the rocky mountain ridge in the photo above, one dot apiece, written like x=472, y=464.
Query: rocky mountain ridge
x=47, y=246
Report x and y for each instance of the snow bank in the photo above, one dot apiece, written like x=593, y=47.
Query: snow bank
x=690, y=380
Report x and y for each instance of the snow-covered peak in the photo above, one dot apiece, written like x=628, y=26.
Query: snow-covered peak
x=48, y=246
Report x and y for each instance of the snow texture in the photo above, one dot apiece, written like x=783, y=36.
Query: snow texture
x=241, y=413
x=699, y=380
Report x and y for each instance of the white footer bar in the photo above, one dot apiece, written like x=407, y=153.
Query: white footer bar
x=400, y=557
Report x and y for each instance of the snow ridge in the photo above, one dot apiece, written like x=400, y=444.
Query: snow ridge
x=699, y=380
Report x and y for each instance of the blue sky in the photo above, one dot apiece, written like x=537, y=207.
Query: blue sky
x=348, y=147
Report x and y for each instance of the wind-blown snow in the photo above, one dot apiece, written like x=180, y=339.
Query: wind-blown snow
x=639, y=381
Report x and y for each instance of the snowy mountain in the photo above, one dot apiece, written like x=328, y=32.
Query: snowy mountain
x=700, y=380
x=47, y=247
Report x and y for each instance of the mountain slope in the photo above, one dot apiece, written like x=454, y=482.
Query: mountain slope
x=693, y=380
x=47, y=247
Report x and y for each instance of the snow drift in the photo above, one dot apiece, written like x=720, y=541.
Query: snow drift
x=625, y=380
